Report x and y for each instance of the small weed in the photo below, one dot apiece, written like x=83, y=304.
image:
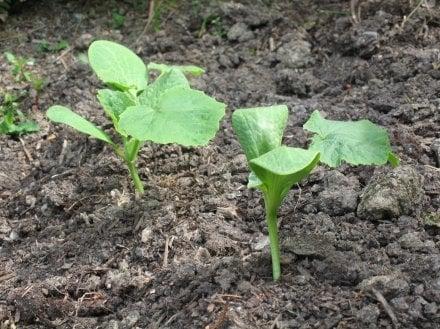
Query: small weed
x=45, y=46
x=118, y=19
x=12, y=120
x=20, y=66
x=214, y=24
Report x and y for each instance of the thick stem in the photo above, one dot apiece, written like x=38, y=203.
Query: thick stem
x=271, y=219
x=135, y=177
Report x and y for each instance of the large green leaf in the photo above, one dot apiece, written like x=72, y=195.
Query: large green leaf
x=154, y=92
x=281, y=168
x=61, y=114
x=115, y=102
x=259, y=130
x=179, y=115
x=117, y=65
x=355, y=142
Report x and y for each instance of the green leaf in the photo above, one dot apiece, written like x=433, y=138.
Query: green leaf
x=180, y=115
x=281, y=168
x=117, y=65
x=355, y=142
x=259, y=130
x=61, y=114
x=154, y=92
x=186, y=69
x=253, y=181
x=115, y=102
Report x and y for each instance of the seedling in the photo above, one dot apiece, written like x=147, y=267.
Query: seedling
x=164, y=111
x=45, y=46
x=12, y=120
x=19, y=66
x=118, y=20
x=275, y=168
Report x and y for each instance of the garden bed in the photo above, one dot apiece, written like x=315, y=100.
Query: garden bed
x=78, y=250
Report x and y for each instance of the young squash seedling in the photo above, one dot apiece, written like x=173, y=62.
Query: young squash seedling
x=164, y=111
x=275, y=168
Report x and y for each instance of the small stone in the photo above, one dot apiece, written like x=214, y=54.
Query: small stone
x=240, y=32
x=84, y=41
x=112, y=324
x=13, y=236
x=5, y=229
x=130, y=320
x=340, y=195
x=300, y=280
x=369, y=314
x=296, y=53
x=146, y=234
x=400, y=304
x=390, y=285
x=397, y=193
x=430, y=308
x=435, y=148
x=31, y=200
x=411, y=241
x=261, y=242
x=309, y=245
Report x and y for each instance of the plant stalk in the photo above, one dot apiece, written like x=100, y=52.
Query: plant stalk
x=271, y=219
x=135, y=176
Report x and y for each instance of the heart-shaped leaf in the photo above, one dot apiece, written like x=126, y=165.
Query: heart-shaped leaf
x=259, y=130
x=281, y=168
x=178, y=115
x=355, y=142
x=154, y=93
x=115, y=103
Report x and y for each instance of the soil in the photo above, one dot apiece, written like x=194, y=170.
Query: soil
x=78, y=250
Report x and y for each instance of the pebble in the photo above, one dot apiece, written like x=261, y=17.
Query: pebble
x=389, y=285
x=240, y=32
x=369, y=314
x=146, y=234
x=435, y=148
x=296, y=53
x=389, y=196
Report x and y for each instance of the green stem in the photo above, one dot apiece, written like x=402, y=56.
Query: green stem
x=271, y=219
x=129, y=157
x=135, y=176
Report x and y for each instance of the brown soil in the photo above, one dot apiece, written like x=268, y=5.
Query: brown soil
x=77, y=250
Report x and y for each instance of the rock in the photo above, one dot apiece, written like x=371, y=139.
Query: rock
x=400, y=304
x=365, y=44
x=342, y=268
x=112, y=324
x=5, y=229
x=289, y=82
x=296, y=53
x=429, y=219
x=130, y=320
x=340, y=195
x=368, y=314
x=118, y=281
x=146, y=234
x=435, y=148
x=240, y=32
x=430, y=309
x=308, y=245
x=390, y=285
x=84, y=41
x=397, y=193
x=413, y=242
